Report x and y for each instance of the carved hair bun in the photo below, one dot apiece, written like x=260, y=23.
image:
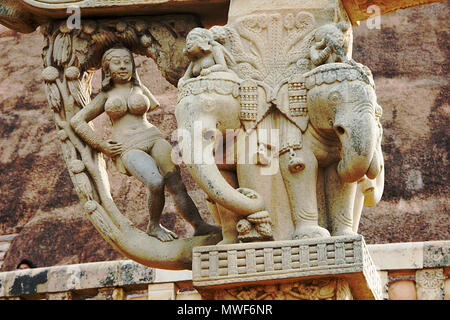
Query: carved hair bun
x=50, y=74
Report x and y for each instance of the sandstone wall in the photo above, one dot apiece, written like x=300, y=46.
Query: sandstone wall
x=408, y=56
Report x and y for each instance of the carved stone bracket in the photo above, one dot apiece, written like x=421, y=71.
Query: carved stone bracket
x=270, y=48
x=279, y=269
x=70, y=59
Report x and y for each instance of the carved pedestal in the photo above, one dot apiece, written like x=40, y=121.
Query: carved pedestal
x=337, y=268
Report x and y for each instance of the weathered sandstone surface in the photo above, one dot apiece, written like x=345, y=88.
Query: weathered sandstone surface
x=408, y=56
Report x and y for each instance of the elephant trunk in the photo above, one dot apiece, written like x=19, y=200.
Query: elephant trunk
x=212, y=182
x=205, y=172
x=358, y=140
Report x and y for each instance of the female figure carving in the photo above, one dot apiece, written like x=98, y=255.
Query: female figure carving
x=206, y=54
x=137, y=147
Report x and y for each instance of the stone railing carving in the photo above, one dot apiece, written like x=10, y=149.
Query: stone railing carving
x=70, y=57
x=408, y=271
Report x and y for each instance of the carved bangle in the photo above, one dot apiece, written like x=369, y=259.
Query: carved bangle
x=85, y=131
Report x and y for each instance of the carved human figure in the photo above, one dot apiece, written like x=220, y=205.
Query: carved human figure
x=137, y=147
x=205, y=53
x=330, y=44
x=209, y=87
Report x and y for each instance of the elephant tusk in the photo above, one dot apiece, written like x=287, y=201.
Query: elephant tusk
x=375, y=167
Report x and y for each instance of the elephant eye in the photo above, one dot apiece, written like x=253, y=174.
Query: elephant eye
x=335, y=98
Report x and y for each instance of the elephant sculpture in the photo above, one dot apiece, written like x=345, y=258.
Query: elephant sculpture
x=343, y=114
x=334, y=143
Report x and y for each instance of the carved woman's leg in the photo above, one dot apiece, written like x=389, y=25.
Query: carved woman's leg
x=143, y=167
x=161, y=152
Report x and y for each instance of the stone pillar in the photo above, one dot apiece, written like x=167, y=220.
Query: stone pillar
x=430, y=284
x=336, y=268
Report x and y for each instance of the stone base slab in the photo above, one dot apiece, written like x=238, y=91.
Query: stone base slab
x=343, y=258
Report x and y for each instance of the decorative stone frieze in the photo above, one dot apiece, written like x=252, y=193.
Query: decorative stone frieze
x=430, y=284
x=54, y=280
x=315, y=289
x=436, y=253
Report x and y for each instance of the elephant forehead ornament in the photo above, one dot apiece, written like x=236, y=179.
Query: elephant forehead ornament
x=324, y=109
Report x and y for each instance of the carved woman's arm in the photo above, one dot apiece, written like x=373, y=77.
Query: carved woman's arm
x=218, y=61
x=80, y=124
x=218, y=53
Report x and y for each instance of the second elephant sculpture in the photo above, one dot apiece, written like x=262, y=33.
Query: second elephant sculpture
x=328, y=138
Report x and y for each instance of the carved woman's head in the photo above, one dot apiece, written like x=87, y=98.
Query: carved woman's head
x=118, y=67
x=198, y=42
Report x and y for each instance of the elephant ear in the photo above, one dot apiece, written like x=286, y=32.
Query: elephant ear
x=298, y=109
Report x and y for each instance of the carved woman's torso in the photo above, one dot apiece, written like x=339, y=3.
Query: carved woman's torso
x=127, y=109
x=121, y=101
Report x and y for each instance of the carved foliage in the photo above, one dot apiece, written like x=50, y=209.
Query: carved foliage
x=161, y=38
x=255, y=227
x=71, y=55
x=430, y=284
x=317, y=289
x=271, y=47
x=70, y=58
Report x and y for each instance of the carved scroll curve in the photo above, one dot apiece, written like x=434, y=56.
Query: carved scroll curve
x=70, y=58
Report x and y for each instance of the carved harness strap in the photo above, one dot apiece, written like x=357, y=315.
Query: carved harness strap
x=249, y=102
x=297, y=97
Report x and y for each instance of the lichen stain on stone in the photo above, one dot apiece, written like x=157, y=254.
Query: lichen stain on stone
x=126, y=273
x=26, y=284
x=108, y=280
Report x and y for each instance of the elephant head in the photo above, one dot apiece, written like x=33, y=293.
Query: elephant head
x=342, y=106
x=207, y=106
